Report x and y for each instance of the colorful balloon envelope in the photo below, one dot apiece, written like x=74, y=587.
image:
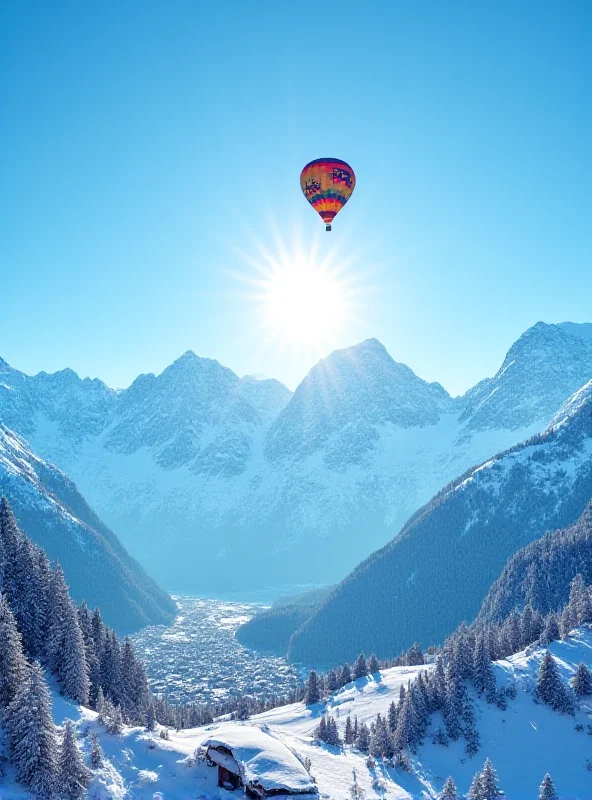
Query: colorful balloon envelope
x=327, y=184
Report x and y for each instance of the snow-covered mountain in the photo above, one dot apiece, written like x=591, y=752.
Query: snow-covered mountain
x=253, y=484
x=98, y=569
x=455, y=546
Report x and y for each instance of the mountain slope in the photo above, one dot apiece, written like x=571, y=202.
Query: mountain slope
x=56, y=517
x=248, y=481
x=541, y=572
x=438, y=570
x=524, y=742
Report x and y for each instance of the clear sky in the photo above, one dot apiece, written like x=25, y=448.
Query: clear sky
x=151, y=150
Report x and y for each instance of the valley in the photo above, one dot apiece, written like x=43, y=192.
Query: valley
x=198, y=660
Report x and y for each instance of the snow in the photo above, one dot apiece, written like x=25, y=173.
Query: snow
x=264, y=760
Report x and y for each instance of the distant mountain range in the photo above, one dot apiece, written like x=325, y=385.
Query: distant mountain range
x=98, y=569
x=437, y=571
x=216, y=483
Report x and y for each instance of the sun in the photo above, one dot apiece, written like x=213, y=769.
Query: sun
x=304, y=304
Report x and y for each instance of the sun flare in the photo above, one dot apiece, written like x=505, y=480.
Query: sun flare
x=303, y=303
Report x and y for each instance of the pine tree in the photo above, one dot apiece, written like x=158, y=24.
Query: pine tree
x=470, y=730
x=437, y=685
x=321, y=730
x=345, y=675
x=483, y=675
x=363, y=738
x=373, y=665
x=489, y=790
x=151, y=718
x=96, y=752
x=449, y=791
x=349, y=731
x=415, y=656
x=381, y=744
x=73, y=776
x=392, y=717
x=111, y=667
x=72, y=669
x=406, y=734
x=476, y=788
x=333, y=736
x=312, y=693
x=454, y=701
x=332, y=682
x=547, y=789
x=12, y=660
x=550, y=688
x=32, y=735
x=582, y=680
x=360, y=668
x=551, y=631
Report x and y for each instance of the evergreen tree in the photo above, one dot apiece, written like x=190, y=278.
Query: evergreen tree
x=415, y=656
x=449, y=791
x=72, y=669
x=550, y=688
x=151, y=718
x=345, y=675
x=489, y=790
x=321, y=730
x=437, y=685
x=406, y=734
x=363, y=738
x=483, y=675
x=332, y=682
x=551, y=631
x=360, y=668
x=73, y=776
x=312, y=693
x=470, y=730
x=96, y=752
x=381, y=744
x=392, y=717
x=12, y=660
x=333, y=737
x=32, y=735
x=547, y=789
x=454, y=702
x=582, y=680
x=373, y=665
x=566, y=623
x=349, y=731
x=111, y=667
x=476, y=788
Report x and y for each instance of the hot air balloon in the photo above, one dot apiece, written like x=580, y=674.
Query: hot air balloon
x=327, y=184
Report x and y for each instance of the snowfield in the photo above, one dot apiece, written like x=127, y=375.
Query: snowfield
x=524, y=742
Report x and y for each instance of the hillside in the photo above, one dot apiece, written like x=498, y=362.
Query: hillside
x=246, y=478
x=540, y=573
x=51, y=511
x=524, y=742
x=462, y=538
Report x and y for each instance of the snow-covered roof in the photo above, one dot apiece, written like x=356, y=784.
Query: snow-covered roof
x=264, y=760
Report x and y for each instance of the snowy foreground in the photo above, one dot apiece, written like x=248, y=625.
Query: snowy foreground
x=524, y=741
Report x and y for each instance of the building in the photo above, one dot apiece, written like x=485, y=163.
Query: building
x=255, y=761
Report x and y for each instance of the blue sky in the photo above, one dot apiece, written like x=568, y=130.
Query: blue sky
x=149, y=149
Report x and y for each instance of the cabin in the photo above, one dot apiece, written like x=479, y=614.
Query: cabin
x=253, y=760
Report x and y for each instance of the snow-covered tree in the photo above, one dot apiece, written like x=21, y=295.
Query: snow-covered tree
x=550, y=688
x=582, y=680
x=96, y=752
x=392, y=716
x=547, y=789
x=476, y=788
x=333, y=736
x=312, y=691
x=151, y=718
x=415, y=656
x=551, y=632
x=483, y=675
x=32, y=734
x=12, y=660
x=321, y=730
x=373, y=665
x=362, y=740
x=448, y=791
x=349, y=731
x=360, y=667
x=332, y=681
x=489, y=788
x=345, y=675
x=73, y=776
x=406, y=733
x=381, y=743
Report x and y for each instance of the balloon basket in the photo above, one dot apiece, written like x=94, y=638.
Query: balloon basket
x=327, y=227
